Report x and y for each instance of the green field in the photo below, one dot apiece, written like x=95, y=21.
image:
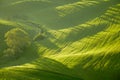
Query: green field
x=59, y=39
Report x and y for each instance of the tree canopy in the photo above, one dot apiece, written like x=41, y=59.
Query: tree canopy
x=16, y=40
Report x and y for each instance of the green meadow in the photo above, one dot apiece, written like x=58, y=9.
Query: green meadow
x=59, y=39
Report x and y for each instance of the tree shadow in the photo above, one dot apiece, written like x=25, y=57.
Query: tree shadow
x=48, y=44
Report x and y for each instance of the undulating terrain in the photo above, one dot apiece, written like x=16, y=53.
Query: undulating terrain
x=59, y=39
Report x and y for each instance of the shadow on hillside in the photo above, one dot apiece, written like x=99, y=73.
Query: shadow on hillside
x=77, y=34
x=112, y=15
x=80, y=17
x=49, y=69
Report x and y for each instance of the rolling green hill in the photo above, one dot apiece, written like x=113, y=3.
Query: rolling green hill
x=70, y=39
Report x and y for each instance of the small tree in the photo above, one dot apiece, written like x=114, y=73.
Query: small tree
x=16, y=40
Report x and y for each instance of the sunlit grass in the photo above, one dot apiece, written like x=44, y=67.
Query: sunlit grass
x=25, y=1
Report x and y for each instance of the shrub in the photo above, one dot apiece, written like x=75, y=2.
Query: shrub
x=39, y=37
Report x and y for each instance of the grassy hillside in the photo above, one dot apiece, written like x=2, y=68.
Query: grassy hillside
x=80, y=39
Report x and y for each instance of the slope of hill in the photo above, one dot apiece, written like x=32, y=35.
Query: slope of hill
x=81, y=39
